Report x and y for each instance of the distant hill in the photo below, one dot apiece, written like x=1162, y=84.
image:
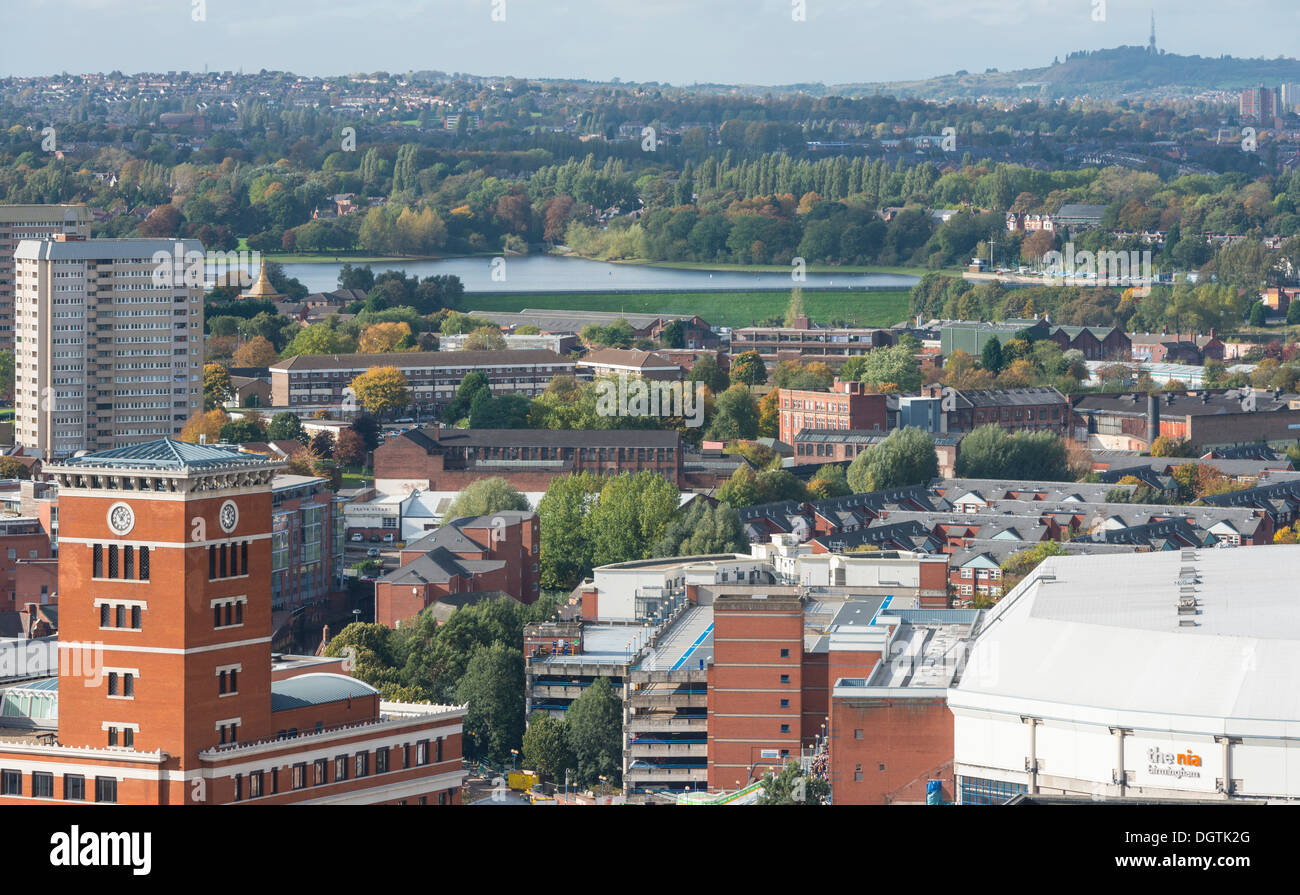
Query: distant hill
x=1122, y=71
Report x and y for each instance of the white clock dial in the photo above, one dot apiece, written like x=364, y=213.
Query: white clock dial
x=229, y=516
x=121, y=519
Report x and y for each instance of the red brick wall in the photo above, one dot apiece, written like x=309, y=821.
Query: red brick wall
x=911, y=738
x=745, y=689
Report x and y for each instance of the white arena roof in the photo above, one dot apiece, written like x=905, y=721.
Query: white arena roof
x=1210, y=633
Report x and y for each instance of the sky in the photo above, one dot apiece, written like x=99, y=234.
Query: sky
x=671, y=41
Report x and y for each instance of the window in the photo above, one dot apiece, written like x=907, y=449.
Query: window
x=857, y=734
x=785, y=728
x=144, y=563
x=239, y=787
x=322, y=771
x=135, y=617
x=381, y=761
x=422, y=752
x=785, y=654
x=11, y=783
x=112, y=683
x=340, y=768
x=98, y=571
x=105, y=615
x=785, y=678
x=105, y=789
x=112, y=561
x=785, y=703
x=112, y=736
x=254, y=784
x=298, y=776
x=362, y=764
x=74, y=788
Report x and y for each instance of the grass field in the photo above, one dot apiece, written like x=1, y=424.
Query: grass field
x=812, y=268
x=882, y=308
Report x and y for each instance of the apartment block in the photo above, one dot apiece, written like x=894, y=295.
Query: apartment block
x=320, y=380
x=108, y=343
x=19, y=222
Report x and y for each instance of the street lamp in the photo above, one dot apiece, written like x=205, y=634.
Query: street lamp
x=514, y=759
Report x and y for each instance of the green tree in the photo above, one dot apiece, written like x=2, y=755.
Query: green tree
x=743, y=489
x=595, y=722
x=896, y=365
x=565, y=549
x=493, y=689
x=216, y=385
x=794, y=310
x=735, y=415
x=284, y=427
x=546, y=746
x=707, y=370
x=488, y=411
x=319, y=338
x=786, y=787
x=991, y=356
x=1257, y=314
x=830, y=480
x=484, y=496
x=991, y=452
x=904, y=458
x=240, y=431
x=458, y=408
x=630, y=517
x=702, y=529
x=748, y=368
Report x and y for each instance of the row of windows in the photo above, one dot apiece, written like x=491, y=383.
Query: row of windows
x=346, y=767
x=122, y=562
x=227, y=560
x=228, y=613
x=119, y=616
x=74, y=786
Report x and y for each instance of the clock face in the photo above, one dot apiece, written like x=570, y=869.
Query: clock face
x=229, y=516
x=121, y=518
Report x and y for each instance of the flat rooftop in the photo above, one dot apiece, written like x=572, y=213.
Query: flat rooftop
x=686, y=641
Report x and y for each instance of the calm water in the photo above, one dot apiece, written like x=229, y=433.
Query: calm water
x=549, y=273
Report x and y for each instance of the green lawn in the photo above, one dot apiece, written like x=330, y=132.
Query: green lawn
x=785, y=268
x=883, y=308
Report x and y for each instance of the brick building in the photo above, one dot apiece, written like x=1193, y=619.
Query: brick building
x=1208, y=418
x=319, y=380
x=1037, y=408
x=891, y=731
x=438, y=459
x=807, y=341
x=20, y=539
x=167, y=691
x=467, y=555
x=846, y=406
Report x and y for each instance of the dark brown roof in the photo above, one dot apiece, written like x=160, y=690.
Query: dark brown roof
x=428, y=437
x=400, y=359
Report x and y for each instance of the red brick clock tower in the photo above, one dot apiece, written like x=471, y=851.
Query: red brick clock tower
x=165, y=559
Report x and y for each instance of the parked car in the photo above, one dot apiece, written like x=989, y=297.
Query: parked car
x=373, y=551
x=389, y=538
x=358, y=538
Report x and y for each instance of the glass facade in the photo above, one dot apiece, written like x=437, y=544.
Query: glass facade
x=979, y=791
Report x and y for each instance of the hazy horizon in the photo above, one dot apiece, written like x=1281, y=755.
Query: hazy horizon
x=680, y=42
